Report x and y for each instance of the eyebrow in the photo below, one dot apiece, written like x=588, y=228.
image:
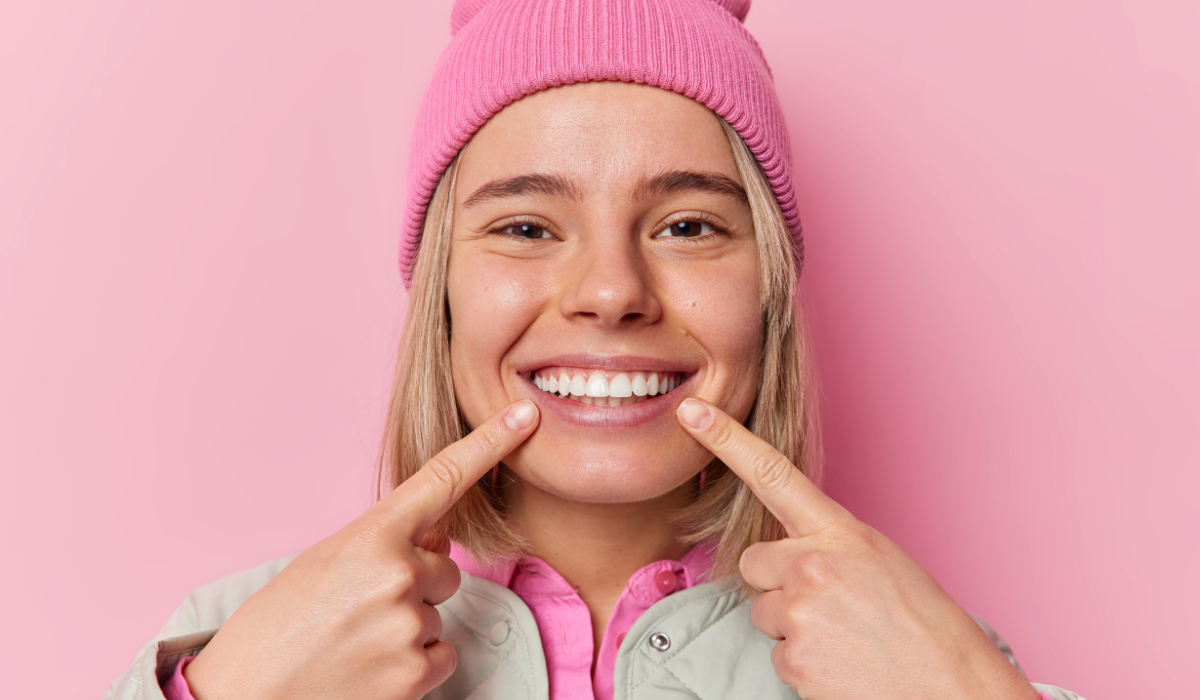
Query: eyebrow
x=524, y=185
x=676, y=181
x=661, y=185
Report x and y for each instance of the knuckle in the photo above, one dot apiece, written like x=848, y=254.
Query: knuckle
x=446, y=470
x=796, y=568
x=772, y=471
x=857, y=536
x=788, y=664
x=492, y=440
x=821, y=569
x=867, y=536
x=403, y=576
x=796, y=617
x=724, y=436
x=411, y=623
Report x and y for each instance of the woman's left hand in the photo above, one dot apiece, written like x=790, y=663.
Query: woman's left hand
x=855, y=615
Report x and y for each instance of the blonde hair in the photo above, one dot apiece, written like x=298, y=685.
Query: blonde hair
x=423, y=417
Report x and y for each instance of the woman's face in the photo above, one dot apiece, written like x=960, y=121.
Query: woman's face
x=602, y=240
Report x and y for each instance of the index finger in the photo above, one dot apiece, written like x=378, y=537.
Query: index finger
x=790, y=496
x=414, y=506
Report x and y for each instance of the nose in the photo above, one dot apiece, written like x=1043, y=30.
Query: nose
x=611, y=286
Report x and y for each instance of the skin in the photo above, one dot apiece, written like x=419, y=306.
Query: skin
x=601, y=276
x=855, y=616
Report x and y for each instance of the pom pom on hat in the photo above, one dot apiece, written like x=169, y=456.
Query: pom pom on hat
x=504, y=50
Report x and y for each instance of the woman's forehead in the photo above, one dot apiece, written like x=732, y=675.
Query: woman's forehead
x=597, y=135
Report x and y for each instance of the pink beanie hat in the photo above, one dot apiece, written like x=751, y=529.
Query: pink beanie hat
x=504, y=50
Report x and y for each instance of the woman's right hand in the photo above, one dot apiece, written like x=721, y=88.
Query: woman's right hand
x=353, y=615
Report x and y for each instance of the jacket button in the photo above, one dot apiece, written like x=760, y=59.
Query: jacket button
x=499, y=633
x=660, y=641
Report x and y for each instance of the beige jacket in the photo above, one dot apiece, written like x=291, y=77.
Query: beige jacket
x=500, y=651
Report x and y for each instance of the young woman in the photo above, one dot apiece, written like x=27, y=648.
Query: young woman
x=600, y=444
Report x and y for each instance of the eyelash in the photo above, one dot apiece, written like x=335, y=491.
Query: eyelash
x=691, y=218
x=695, y=217
x=504, y=226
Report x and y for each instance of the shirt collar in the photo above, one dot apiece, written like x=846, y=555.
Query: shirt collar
x=529, y=574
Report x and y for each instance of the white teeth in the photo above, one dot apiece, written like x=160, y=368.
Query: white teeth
x=620, y=386
x=597, y=385
x=597, y=390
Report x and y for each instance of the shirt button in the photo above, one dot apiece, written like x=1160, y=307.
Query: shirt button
x=665, y=582
x=660, y=641
x=499, y=633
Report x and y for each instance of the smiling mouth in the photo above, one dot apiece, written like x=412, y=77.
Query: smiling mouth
x=600, y=388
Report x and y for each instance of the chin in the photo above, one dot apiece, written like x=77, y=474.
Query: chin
x=606, y=473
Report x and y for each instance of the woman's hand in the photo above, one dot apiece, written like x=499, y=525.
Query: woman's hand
x=855, y=615
x=353, y=615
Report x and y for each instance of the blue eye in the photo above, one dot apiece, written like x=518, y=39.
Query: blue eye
x=687, y=229
x=529, y=231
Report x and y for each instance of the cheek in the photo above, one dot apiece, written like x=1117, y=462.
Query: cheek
x=490, y=309
x=720, y=308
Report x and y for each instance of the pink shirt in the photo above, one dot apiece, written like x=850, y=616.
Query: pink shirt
x=563, y=619
x=565, y=624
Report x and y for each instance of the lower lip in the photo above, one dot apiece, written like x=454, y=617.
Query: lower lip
x=588, y=416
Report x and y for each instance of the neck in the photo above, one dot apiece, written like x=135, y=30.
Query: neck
x=596, y=547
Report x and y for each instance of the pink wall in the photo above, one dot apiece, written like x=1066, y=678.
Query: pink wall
x=199, y=207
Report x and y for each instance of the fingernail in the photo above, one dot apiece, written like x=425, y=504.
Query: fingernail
x=520, y=415
x=695, y=414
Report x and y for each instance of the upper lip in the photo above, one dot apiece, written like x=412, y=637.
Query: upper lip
x=615, y=363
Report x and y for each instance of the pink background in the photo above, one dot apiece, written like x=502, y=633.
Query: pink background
x=199, y=208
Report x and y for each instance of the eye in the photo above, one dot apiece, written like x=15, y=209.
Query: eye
x=527, y=231
x=686, y=229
